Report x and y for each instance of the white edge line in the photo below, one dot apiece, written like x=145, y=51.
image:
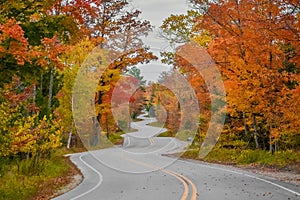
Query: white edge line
x=275, y=184
x=128, y=141
x=247, y=175
x=96, y=186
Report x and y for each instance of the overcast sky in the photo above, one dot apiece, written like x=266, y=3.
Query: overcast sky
x=156, y=11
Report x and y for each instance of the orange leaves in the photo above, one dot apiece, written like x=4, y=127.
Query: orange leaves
x=243, y=29
x=256, y=44
x=13, y=42
x=53, y=48
x=13, y=30
x=80, y=9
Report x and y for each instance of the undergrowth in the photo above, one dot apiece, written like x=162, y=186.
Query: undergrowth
x=19, y=181
x=279, y=159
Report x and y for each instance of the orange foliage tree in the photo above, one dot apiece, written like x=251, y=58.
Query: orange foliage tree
x=249, y=45
x=122, y=31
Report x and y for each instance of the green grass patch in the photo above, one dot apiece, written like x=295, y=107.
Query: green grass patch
x=160, y=125
x=116, y=139
x=137, y=120
x=166, y=134
x=280, y=159
x=184, y=135
x=223, y=155
x=156, y=124
x=219, y=155
x=191, y=153
x=18, y=182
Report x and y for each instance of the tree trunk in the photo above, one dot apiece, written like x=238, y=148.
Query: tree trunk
x=129, y=122
x=245, y=124
x=50, y=89
x=271, y=145
x=276, y=147
x=255, y=132
x=107, y=129
x=34, y=94
x=70, y=137
x=71, y=130
x=264, y=143
x=41, y=85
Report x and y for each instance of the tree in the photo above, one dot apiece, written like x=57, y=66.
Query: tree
x=73, y=60
x=122, y=31
x=33, y=37
x=181, y=29
x=248, y=37
x=22, y=132
x=137, y=99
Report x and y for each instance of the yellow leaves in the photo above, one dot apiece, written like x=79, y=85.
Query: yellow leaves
x=77, y=53
x=181, y=28
x=203, y=40
x=26, y=134
x=35, y=17
x=30, y=137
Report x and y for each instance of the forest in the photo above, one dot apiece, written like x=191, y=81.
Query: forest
x=255, y=45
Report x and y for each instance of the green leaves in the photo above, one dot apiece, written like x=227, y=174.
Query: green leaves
x=181, y=28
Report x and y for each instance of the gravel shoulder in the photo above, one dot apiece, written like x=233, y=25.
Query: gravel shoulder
x=73, y=179
x=289, y=175
x=60, y=185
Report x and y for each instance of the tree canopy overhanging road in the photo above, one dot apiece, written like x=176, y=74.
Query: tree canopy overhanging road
x=73, y=75
x=138, y=170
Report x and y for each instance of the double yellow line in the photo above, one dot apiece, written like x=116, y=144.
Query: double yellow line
x=183, y=179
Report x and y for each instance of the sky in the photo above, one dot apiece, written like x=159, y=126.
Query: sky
x=156, y=11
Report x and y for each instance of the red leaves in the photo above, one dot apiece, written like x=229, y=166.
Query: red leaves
x=254, y=42
x=53, y=48
x=13, y=41
x=16, y=97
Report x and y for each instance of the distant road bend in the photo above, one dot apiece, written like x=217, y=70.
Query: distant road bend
x=137, y=170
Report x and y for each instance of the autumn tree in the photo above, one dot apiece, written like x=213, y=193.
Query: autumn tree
x=23, y=133
x=180, y=30
x=33, y=37
x=137, y=99
x=122, y=31
x=248, y=42
x=72, y=59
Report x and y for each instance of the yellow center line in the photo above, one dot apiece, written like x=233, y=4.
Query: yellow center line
x=194, y=188
x=185, y=186
x=183, y=179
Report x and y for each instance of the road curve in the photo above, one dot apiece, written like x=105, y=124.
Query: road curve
x=137, y=170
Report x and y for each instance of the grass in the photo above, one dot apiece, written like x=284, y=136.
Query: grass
x=136, y=120
x=156, y=124
x=280, y=159
x=17, y=182
x=184, y=135
x=20, y=180
x=116, y=139
x=235, y=154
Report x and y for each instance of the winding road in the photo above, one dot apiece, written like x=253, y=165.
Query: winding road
x=138, y=170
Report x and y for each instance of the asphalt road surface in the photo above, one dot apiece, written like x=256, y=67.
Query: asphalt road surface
x=139, y=170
